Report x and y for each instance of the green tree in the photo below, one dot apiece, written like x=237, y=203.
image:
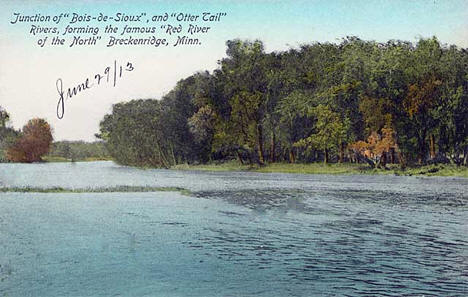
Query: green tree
x=330, y=131
x=134, y=135
x=245, y=84
x=8, y=135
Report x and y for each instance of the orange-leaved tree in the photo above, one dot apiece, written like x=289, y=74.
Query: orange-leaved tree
x=33, y=143
x=421, y=104
x=374, y=150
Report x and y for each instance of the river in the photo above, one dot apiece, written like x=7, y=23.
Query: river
x=234, y=234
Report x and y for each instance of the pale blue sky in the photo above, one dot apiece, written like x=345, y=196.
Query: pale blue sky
x=28, y=73
x=281, y=22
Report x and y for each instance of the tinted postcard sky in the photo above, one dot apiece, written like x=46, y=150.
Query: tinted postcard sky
x=28, y=73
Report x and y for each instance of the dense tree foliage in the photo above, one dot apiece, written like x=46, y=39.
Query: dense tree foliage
x=79, y=150
x=8, y=135
x=356, y=101
x=33, y=143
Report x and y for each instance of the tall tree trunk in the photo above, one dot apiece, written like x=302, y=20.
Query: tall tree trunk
x=162, y=157
x=383, y=159
x=261, y=159
x=341, y=158
x=325, y=159
x=173, y=155
x=401, y=160
x=272, y=147
x=465, y=155
x=422, y=147
x=240, y=157
x=432, y=146
x=292, y=157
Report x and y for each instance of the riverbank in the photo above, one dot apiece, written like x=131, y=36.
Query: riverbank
x=310, y=168
x=62, y=159
x=336, y=168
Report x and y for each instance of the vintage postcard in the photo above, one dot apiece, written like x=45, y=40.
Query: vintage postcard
x=234, y=148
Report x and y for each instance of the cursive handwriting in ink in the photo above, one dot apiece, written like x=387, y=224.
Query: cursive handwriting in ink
x=111, y=74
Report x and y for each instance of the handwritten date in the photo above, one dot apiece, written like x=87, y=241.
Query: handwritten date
x=111, y=75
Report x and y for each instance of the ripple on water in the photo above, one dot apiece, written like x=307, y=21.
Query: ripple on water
x=240, y=234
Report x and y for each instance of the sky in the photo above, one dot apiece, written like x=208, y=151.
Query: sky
x=29, y=73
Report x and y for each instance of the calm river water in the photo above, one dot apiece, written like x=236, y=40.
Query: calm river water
x=237, y=234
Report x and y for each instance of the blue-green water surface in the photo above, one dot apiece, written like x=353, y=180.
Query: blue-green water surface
x=236, y=234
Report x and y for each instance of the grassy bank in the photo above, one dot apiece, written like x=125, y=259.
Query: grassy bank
x=320, y=168
x=117, y=189
x=311, y=168
x=62, y=159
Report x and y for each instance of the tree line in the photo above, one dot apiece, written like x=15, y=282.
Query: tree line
x=34, y=141
x=356, y=101
x=26, y=145
x=79, y=150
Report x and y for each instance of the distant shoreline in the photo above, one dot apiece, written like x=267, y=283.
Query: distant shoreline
x=310, y=168
x=53, y=159
x=334, y=169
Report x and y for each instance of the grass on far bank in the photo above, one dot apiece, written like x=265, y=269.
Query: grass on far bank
x=310, y=168
x=333, y=168
x=223, y=166
x=62, y=159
